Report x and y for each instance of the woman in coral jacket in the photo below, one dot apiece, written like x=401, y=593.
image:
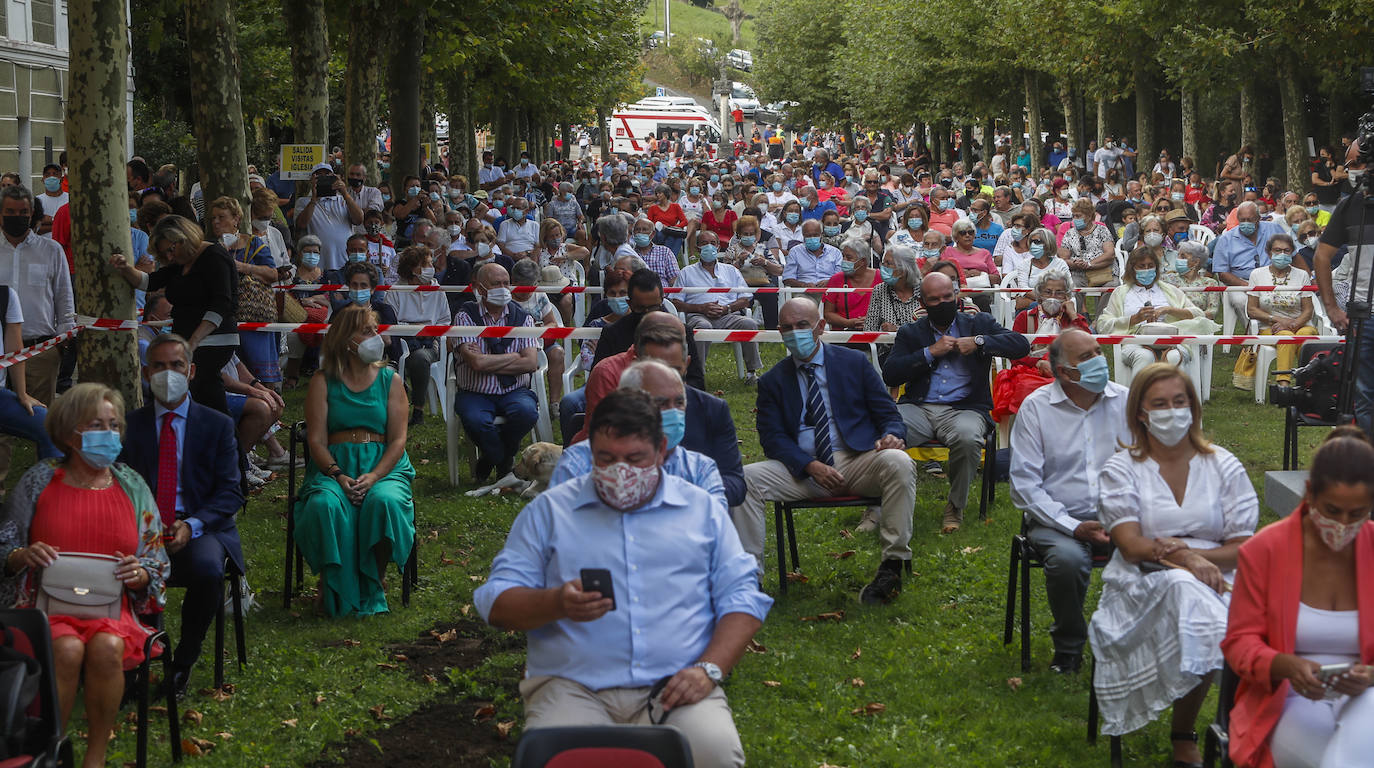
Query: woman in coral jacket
x=1297, y=606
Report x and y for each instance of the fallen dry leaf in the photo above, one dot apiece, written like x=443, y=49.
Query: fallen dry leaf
x=350, y=732
x=431, y=679
x=290, y=723
x=319, y=699
x=1014, y=683
x=848, y=553
x=474, y=578
x=858, y=651
x=444, y=637
x=845, y=534
x=159, y=710
x=378, y=713
x=192, y=716
x=796, y=577
x=828, y=765
x=466, y=609
x=831, y=616
x=222, y=694
x=447, y=560
x=970, y=550
x=224, y=735
x=401, y=657
x=857, y=682
x=755, y=647
x=772, y=683
x=424, y=461
x=350, y=643
x=196, y=747
x=484, y=713
x=386, y=666
x=869, y=710
x=503, y=729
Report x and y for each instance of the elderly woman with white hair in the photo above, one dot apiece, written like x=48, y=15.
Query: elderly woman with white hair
x=613, y=232
x=894, y=303
x=1054, y=312
x=1190, y=270
x=846, y=310
x=1027, y=272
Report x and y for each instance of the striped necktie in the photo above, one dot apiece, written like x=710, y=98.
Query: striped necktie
x=817, y=417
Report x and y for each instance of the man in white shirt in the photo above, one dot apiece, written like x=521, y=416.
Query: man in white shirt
x=526, y=169
x=490, y=177
x=369, y=198
x=716, y=310
x=330, y=217
x=36, y=268
x=1107, y=158
x=52, y=198
x=519, y=234
x=1064, y=433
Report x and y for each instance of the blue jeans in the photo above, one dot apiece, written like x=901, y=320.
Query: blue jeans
x=673, y=243
x=572, y=404
x=497, y=443
x=1364, y=381
x=15, y=420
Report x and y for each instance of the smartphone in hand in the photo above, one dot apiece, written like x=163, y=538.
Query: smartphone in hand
x=598, y=580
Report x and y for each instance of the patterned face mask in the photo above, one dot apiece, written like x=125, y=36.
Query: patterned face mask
x=1334, y=533
x=624, y=486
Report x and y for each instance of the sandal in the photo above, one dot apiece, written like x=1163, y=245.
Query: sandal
x=1184, y=736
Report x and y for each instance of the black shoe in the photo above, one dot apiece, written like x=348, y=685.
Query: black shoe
x=504, y=468
x=181, y=680
x=1066, y=663
x=481, y=470
x=417, y=417
x=886, y=584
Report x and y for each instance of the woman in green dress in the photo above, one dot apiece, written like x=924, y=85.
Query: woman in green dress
x=355, y=511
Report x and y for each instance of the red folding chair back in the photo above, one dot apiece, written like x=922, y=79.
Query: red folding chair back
x=600, y=757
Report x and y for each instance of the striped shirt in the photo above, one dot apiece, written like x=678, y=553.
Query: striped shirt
x=661, y=260
x=489, y=383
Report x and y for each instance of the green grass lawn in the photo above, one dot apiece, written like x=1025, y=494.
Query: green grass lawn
x=689, y=21
x=953, y=694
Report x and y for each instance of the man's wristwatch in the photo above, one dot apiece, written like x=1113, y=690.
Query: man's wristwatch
x=978, y=340
x=712, y=671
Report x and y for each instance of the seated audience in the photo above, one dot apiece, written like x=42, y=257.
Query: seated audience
x=695, y=593
x=1064, y=433
x=1282, y=313
x=646, y=295
x=354, y=512
x=1190, y=270
x=845, y=310
x=1298, y=605
x=540, y=306
x=1177, y=508
x=416, y=267
x=828, y=427
x=894, y=302
x=1145, y=300
x=727, y=311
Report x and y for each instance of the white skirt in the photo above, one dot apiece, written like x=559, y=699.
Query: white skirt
x=1154, y=637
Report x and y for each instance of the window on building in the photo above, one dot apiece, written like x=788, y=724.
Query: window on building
x=4, y=19
x=44, y=21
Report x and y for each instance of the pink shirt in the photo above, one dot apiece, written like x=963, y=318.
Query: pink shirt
x=980, y=259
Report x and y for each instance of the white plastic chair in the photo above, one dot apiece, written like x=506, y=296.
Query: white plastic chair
x=1122, y=373
x=1266, y=356
x=1200, y=234
x=1003, y=303
x=543, y=429
x=579, y=299
x=438, y=387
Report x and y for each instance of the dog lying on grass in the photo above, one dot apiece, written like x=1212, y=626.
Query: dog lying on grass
x=530, y=476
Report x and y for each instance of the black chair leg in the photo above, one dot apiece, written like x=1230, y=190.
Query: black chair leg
x=1025, y=613
x=792, y=539
x=1012, y=572
x=1092, y=705
x=219, y=647
x=782, y=556
x=173, y=721
x=240, y=642
x=408, y=574
x=1116, y=752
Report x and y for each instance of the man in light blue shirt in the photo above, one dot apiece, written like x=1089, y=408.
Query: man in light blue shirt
x=665, y=386
x=811, y=263
x=1240, y=250
x=682, y=604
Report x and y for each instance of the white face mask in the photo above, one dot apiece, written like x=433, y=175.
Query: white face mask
x=169, y=387
x=229, y=240
x=427, y=272
x=370, y=349
x=499, y=296
x=1335, y=534
x=261, y=225
x=1153, y=239
x=1170, y=425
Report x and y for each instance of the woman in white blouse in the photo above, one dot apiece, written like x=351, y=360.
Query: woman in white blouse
x=1145, y=299
x=416, y=267
x=1284, y=313
x=1027, y=272
x=1177, y=508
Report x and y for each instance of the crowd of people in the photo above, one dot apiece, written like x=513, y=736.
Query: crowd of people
x=900, y=245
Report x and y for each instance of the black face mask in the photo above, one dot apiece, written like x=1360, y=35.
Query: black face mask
x=942, y=314
x=355, y=183
x=15, y=226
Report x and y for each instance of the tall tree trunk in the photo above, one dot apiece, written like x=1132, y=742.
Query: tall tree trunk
x=887, y=144
x=603, y=115
x=503, y=133
x=1249, y=113
x=848, y=138
x=1101, y=127
x=1073, y=118
x=309, y=74
x=1294, y=127
x=1144, y=115
x=1188, y=108
x=965, y=146
x=989, y=140
x=368, y=34
x=1335, y=116
x=1033, y=141
x=462, y=139
x=100, y=222
x=405, y=77
x=212, y=42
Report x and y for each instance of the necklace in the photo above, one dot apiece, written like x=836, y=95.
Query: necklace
x=99, y=484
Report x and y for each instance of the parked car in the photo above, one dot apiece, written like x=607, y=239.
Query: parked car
x=656, y=39
x=742, y=97
x=740, y=59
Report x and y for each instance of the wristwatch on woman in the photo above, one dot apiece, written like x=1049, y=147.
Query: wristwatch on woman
x=333, y=470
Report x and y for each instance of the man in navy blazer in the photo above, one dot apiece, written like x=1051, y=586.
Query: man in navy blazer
x=943, y=360
x=829, y=428
x=200, y=516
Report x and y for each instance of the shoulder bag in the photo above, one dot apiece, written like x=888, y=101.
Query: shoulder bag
x=82, y=585
x=256, y=302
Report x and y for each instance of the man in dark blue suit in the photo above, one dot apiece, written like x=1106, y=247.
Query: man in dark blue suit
x=829, y=428
x=188, y=455
x=943, y=360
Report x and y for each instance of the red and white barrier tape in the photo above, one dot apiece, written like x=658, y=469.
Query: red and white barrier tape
x=774, y=289
x=26, y=353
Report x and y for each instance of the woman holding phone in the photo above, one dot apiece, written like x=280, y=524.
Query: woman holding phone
x=1301, y=629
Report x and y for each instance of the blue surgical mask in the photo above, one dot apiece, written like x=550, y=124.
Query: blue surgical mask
x=52, y=184
x=1281, y=260
x=708, y=254
x=412, y=191
x=133, y=216
x=674, y=425
x=946, y=204
x=694, y=191
x=1180, y=237
x=831, y=230
x=888, y=277
x=1145, y=276
x=715, y=178
x=1037, y=250
x=1092, y=374
x=356, y=256
x=99, y=447
x=793, y=217
x=1177, y=197
x=310, y=259
x=915, y=223
x=620, y=305
x=361, y=296
x=809, y=203
x=1248, y=228
x=517, y=214
x=1181, y=265
x=930, y=254
x=812, y=243
x=801, y=344
x=1312, y=210
x=642, y=240
x=777, y=186
x=848, y=267
x=747, y=241
x=860, y=216
x=1080, y=223
x=386, y=198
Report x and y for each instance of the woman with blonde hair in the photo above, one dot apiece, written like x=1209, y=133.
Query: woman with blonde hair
x=355, y=512
x=1178, y=509
x=86, y=504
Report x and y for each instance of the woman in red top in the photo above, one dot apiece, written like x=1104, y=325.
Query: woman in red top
x=844, y=310
x=1055, y=313
x=720, y=218
x=669, y=214
x=1297, y=605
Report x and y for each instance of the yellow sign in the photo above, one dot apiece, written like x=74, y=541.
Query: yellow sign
x=427, y=152
x=298, y=159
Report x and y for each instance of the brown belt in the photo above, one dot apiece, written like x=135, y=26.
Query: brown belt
x=357, y=435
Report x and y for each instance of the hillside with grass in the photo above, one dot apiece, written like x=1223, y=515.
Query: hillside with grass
x=690, y=21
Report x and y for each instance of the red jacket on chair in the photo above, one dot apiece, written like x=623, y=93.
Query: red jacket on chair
x=1264, y=622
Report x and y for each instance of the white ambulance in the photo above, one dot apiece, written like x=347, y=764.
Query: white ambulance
x=631, y=125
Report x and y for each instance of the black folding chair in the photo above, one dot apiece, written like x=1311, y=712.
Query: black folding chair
x=1024, y=557
x=145, y=676
x=782, y=516
x=232, y=576
x=295, y=561
x=1216, y=742
x=633, y=746
x=1093, y=717
x=46, y=745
